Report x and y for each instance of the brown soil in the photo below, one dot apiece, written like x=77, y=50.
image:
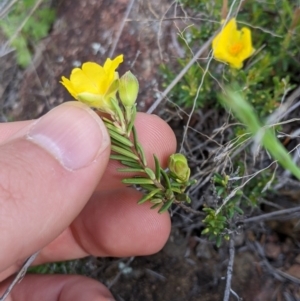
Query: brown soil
x=189, y=267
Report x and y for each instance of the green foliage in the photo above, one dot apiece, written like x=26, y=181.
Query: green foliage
x=162, y=188
x=220, y=223
x=263, y=83
x=217, y=224
x=23, y=39
x=264, y=77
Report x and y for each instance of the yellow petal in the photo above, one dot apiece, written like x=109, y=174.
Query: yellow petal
x=113, y=64
x=110, y=66
x=69, y=86
x=82, y=82
x=93, y=71
x=247, y=50
x=225, y=35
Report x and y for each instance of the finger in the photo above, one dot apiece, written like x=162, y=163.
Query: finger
x=10, y=128
x=154, y=134
x=48, y=172
x=57, y=288
x=111, y=224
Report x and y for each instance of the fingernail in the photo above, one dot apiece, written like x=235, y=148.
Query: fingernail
x=72, y=133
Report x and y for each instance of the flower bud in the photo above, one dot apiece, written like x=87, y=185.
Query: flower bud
x=179, y=168
x=128, y=89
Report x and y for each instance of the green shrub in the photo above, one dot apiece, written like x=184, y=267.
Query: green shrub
x=36, y=26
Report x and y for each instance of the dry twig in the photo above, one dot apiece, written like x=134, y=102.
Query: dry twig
x=20, y=275
x=229, y=270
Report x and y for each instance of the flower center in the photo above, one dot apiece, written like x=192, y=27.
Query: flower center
x=235, y=48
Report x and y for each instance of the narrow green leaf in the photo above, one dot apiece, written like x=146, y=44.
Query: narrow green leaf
x=166, y=178
x=155, y=206
x=166, y=206
x=137, y=181
x=150, y=173
x=178, y=185
x=130, y=169
x=238, y=210
x=141, y=152
x=119, y=138
x=175, y=189
x=218, y=241
x=148, y=187
x=205, y=231
x=111, y=126
x=106, y=120
x=245, y=112
x=220, y=190
x=148, y=196
x=118, y=110
x=122, y=158
x=135, y=137
x=117, y=143
x=157, y=168
x=188, y=200
x=130, y=125
x=124, y=152
x=131, y=164
x=156, y=201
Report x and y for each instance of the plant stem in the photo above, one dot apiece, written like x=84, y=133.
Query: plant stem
x=229, y=269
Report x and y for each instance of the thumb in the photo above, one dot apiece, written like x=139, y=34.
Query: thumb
x=48, y=171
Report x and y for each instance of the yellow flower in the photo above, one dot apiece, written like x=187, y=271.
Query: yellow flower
x=233, y=46
x=93, y=84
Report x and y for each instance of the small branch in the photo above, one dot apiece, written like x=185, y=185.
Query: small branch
x=271, y=215
x=114, y=281
x=113, y=48
x=229, y=269
x=20, y=275
x=189, y=209
x=180, y=75
x=277, y=273
x=6, y=9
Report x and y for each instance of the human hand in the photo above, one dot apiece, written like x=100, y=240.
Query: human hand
x=52, y=199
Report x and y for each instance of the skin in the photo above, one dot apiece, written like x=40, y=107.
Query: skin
x=70, y=214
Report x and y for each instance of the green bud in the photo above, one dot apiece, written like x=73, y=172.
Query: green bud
x=128, y=89
x=179, y=168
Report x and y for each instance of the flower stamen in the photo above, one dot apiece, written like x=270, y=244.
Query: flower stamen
x=235, y=48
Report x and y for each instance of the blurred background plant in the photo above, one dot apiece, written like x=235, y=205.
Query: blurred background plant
x=266, y=79
x=25, y=23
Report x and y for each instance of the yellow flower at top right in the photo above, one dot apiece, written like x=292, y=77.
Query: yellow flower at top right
x=233, y=46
